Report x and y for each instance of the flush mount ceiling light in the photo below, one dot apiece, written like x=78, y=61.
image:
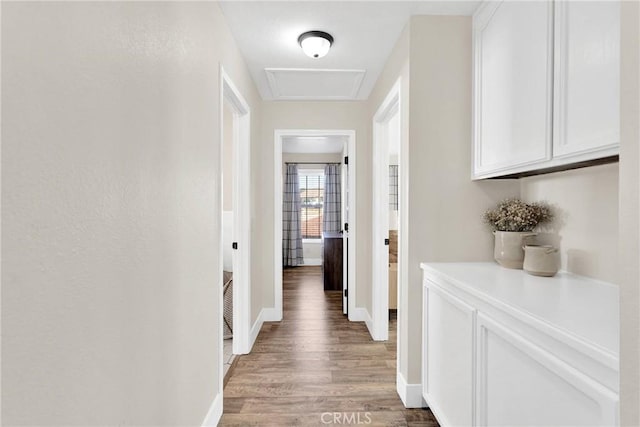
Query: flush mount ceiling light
x=315, y=44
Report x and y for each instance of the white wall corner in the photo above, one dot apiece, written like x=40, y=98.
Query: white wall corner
x=215, y=412
x=410, y=394
x=270, y=314
x=361, y=314
x=379, y=328
x=267, y=314
x=255, y=330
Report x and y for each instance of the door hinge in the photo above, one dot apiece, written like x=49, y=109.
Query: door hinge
x=346, y=293
x=346, y=226
x=386, y=242
x=346, y=160
x=234, y=245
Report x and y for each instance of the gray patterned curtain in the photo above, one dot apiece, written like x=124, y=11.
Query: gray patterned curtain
x=291, y=219
x=332, y=210
x=393, y=187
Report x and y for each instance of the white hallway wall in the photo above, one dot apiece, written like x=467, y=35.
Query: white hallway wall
x=444, y=208
x=629, y=261
x=349, y=115
x=110, y=206
x=586, y=226
x=397, y=66
x=440, y=162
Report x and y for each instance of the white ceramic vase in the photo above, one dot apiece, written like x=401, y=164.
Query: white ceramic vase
x=508, y=250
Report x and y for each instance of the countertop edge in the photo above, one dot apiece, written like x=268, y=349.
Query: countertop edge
x=593, y=349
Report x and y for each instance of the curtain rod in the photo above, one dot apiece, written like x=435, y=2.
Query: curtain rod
x=312, y=163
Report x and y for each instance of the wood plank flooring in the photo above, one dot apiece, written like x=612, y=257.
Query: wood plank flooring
x=315, y=368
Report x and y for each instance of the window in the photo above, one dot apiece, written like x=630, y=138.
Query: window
x=393, y=187
x=311, y=199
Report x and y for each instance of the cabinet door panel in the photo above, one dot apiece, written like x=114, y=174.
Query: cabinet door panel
x=448, y=351
x=521, y=384
x=587, y=77
x=513, y=82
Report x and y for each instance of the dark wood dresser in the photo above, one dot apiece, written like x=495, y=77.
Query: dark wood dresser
x=332, y=261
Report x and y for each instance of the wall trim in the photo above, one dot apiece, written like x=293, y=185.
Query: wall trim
x=268, y=314
x=215, y=412
x=361, y=314
x=410, y=394
x=279, y=134
x=312, y=261
x=388, y=109
x=241, y=257
x=255, y=330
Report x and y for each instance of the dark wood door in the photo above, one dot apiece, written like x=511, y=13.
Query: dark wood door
x=332, y=262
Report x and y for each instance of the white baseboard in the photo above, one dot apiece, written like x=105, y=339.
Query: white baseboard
x=255, y=330
x=266, y=315
x=361, y=314
x=369, y=324
x=410, y=394
x=215, y=412
x=312, y=261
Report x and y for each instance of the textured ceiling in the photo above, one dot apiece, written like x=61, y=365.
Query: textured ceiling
x=364, y=31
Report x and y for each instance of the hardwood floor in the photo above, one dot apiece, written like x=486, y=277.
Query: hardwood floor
x=315, y=368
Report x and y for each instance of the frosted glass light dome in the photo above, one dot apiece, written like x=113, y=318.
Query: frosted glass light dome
x=315, y=44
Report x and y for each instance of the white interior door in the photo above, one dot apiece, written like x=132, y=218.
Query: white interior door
x=344, y=180
x=240, y=219
x=381, y=231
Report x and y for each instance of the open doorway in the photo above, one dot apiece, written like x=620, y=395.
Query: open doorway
x=227, y=232
x=313, y=230
x=318, y=165
x=386, y=212
x=235, y=248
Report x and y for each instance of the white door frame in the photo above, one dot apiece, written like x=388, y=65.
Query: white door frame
x=380, y=212
x=344, y=212
x=241, y=214
x=279, y=134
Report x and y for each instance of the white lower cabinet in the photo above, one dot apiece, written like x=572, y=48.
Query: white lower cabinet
x=520, y=384
x=498, y=354
x=449, y=346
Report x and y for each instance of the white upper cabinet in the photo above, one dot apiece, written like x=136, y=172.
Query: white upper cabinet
x=546, y=85
x=514, y=77
x=587, y=79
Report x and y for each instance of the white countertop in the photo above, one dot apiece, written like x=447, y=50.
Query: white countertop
x=586, y=308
